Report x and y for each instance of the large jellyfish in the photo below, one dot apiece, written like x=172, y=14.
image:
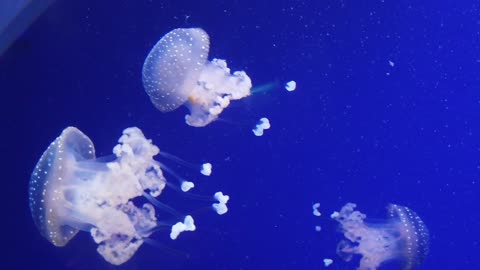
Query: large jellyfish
x=71, y=190
x=177, y=72
x=403, y=238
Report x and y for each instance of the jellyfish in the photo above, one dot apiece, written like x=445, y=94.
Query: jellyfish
x=177, y=72
x=71, y=190
x=327, y=262
x=402, y=238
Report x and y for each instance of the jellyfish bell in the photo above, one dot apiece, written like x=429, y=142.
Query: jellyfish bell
x=172, y=68
x=177, y=72
x=45, y=191
x=402, y=238
x=70, y=190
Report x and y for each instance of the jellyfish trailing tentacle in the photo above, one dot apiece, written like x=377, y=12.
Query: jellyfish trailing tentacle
x=205, y=168
x=265, y=88
x=177, y=72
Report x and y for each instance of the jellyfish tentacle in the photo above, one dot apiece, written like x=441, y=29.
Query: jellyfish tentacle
x=402, y=237
x=161, y=205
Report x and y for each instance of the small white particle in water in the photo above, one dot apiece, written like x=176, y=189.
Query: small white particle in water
x=221, y=206
x=262, y=125
x=290, y=86
x=327, y=262
x=186, y=186
x=206, y=169
x=187, y=225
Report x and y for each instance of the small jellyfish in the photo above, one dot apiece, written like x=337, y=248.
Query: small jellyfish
x=262, y=125
x=402, y=238
x=71, y=190
x=177, y=72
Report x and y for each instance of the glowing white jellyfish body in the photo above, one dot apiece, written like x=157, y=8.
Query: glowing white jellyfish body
x=402, y=237
x=262, y=125
x=70, y=191
x=177, y=72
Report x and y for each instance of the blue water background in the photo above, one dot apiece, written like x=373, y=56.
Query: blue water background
x=387, y=110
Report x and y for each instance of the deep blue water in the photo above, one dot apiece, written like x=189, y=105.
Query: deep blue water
x=357, y=129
